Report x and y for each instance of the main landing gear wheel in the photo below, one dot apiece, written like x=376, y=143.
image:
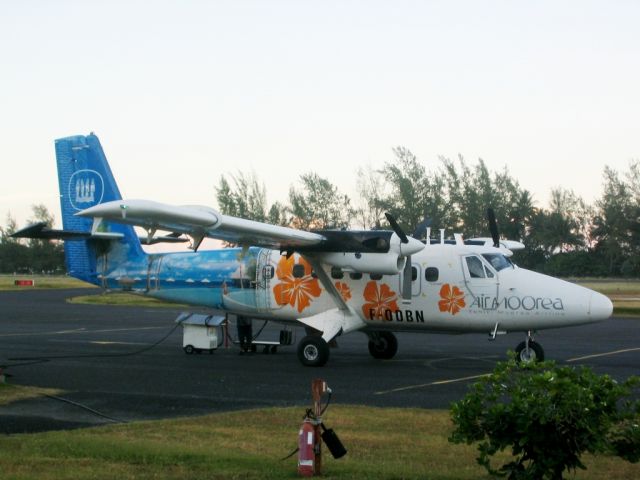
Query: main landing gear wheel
x=313, y=351
x=534, y=353
x=383, y=345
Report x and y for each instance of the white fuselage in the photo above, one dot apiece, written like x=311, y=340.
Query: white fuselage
x=455, y=288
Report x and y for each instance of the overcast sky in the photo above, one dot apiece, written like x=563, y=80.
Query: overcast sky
x=180, y=92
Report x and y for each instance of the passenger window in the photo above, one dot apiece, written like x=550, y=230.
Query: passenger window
x=488, y=272
x=476, y=269
x=414, y=274
x=375, y=276
x=355, y=275
x=431, y=274
x=298, y=271
x=337, y=273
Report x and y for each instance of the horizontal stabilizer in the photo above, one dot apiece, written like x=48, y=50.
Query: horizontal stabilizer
x=41, y=231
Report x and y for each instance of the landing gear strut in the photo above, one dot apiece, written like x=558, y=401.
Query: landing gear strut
x=529, y=351
x=383, y=345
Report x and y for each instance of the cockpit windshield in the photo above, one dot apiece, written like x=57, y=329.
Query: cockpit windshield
x=498, y=261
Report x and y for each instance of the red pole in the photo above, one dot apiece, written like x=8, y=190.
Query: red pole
x=318, y=388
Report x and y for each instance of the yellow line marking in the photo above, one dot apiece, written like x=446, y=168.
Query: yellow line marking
x=422, y=385
x=126, y=329
x=61, y=332
x=615, y=352
x=78, y=330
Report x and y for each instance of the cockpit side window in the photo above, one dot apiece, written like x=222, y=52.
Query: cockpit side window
x=474, y=264
x=498, y=261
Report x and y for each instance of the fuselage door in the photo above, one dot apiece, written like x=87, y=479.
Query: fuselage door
x=481, y=280
x=265, y=271
x=416, y=280
x=153, y=272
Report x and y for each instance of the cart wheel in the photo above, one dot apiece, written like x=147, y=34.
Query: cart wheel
x=210, y=351
x=254, y=348
x=188, y=349
x=274, y=349
x=265, y=349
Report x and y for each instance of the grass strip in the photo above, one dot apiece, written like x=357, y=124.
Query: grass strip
x=7, y=282
x=390, y=443
x=123, y=299
x=13, y=393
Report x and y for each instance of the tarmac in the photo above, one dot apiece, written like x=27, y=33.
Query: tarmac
x=103, y=361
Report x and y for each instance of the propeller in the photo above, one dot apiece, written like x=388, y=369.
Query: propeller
x=493, y=227
x=407, y=273
x=396, y=228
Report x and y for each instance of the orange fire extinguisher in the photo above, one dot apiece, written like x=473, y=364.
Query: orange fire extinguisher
x=306, y=448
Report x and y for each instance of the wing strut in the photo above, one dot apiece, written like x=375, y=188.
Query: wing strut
x=336, y=321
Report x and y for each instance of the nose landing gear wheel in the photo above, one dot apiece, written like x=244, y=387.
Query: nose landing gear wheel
x=534, y=353
x=313, y=351
x=384, y=345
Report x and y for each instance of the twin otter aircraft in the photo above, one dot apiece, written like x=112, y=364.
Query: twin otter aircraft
x=335, y=282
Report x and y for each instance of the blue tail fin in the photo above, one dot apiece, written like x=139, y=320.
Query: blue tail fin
x=85, y=180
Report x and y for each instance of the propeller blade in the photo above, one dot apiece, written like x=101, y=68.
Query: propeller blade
x=396, y=228
x=493, y=227
x=407, y=275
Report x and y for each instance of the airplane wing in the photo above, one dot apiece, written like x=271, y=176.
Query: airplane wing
x=199, y=222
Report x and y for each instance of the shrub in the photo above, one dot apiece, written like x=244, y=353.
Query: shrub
x=548, y=416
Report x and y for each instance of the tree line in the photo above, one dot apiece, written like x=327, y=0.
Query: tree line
x=30, y=256
x=568, y=238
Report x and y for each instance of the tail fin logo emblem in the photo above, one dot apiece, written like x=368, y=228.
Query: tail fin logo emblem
x=86, y=189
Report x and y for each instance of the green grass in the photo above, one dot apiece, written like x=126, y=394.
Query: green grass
x=41, y=281
x=625, y=294
x=13, y=393
x=611, y=287
x=126, y=299
x=382, y=444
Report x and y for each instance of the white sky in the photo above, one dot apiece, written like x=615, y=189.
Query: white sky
x=180, y=92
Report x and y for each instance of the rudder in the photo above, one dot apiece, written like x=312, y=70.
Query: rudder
x=85, y=179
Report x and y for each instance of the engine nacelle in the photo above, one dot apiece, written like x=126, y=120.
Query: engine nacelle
x=383, y=263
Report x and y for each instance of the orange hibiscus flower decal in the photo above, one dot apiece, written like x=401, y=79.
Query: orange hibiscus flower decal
x=297, y=292
x=379, y=301
x=344, y=290
x=452, y=299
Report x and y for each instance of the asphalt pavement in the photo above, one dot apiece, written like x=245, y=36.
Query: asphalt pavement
x=99, y=356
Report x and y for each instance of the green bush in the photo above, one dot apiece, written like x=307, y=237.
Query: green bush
x=548, y=416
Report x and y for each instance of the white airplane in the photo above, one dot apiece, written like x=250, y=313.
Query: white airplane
x=332, y=282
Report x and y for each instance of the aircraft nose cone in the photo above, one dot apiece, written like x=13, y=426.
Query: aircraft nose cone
x=600, y=307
